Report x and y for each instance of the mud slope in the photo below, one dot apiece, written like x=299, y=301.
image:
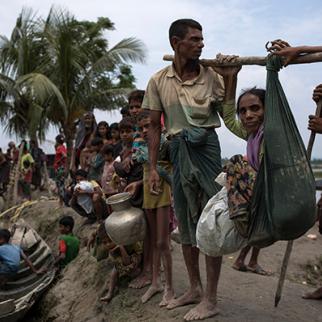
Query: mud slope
x=242, y=296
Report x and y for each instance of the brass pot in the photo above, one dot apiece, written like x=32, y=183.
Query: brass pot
x=126, y=225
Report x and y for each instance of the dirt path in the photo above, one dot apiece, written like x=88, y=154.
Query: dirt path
x=242, y=296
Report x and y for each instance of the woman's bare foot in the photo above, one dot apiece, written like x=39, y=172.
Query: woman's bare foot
x=239, y=266
x=257, y=269
x=150, y=293
x=205, y=309
x=168, y=295
x=316, y=295
x=190, y=297
x=141, y=281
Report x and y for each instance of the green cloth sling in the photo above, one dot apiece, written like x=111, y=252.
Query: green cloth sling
x=283, y=203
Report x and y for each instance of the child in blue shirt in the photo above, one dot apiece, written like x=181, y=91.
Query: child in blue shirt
x=10, y=256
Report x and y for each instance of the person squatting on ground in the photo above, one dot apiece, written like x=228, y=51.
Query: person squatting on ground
x=87, y=199
x=188, y=95
x=126, y=261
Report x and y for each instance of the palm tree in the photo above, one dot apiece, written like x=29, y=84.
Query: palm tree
x=58, y=68
x=24, y=92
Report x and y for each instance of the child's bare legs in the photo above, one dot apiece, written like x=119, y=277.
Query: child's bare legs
x=163, y=244
x=155, y=286
x=144, y=278
x=111, y=286
x=159, y=222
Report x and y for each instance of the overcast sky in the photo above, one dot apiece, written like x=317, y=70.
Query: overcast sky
x=239, y=27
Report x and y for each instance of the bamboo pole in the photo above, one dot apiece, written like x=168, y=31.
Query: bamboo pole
x=254, y=60
x=289, y=246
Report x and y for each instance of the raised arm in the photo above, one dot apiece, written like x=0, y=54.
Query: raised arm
x=228, y=113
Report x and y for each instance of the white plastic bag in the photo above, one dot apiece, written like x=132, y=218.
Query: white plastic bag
x=216, y=234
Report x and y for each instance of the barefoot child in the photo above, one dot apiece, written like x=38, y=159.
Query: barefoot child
x=157, y=207
x=127, y=262
x=68, y=243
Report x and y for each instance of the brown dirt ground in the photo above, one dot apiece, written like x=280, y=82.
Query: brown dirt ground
x=242, y=296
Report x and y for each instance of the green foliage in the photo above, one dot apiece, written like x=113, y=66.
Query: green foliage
x=53, y=70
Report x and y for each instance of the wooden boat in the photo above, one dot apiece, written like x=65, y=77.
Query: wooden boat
x=21, y=292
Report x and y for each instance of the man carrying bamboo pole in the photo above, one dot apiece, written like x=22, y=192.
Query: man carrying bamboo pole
x=188, y=95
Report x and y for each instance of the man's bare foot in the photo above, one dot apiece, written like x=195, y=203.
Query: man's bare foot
x=205, y=309
x=150, y=293
x=190, y=297
x=168, y=295
x=316, y=295
x=141, y=281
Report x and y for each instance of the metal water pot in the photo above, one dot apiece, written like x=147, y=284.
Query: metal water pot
x=126, y=225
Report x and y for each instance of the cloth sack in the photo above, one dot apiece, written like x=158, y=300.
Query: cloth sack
x=216, y=233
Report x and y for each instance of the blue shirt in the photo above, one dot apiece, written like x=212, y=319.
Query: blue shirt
x=10, y=256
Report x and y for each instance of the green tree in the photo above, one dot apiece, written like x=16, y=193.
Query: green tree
x=67, y=68
x=24, y=91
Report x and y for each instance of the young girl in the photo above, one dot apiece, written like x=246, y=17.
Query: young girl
x=103, y=132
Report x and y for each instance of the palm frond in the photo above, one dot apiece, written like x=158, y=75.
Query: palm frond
x=41, y=88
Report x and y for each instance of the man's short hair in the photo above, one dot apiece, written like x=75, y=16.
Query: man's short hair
x=5, y=234
x=97, y=141
x=81, y=173
x=67, y=221
x=179, y=28
x=144, y=114
x=136, y=95
x=126, y=124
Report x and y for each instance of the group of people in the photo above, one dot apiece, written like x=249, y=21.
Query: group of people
x=165, y=152
x=30, y=167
